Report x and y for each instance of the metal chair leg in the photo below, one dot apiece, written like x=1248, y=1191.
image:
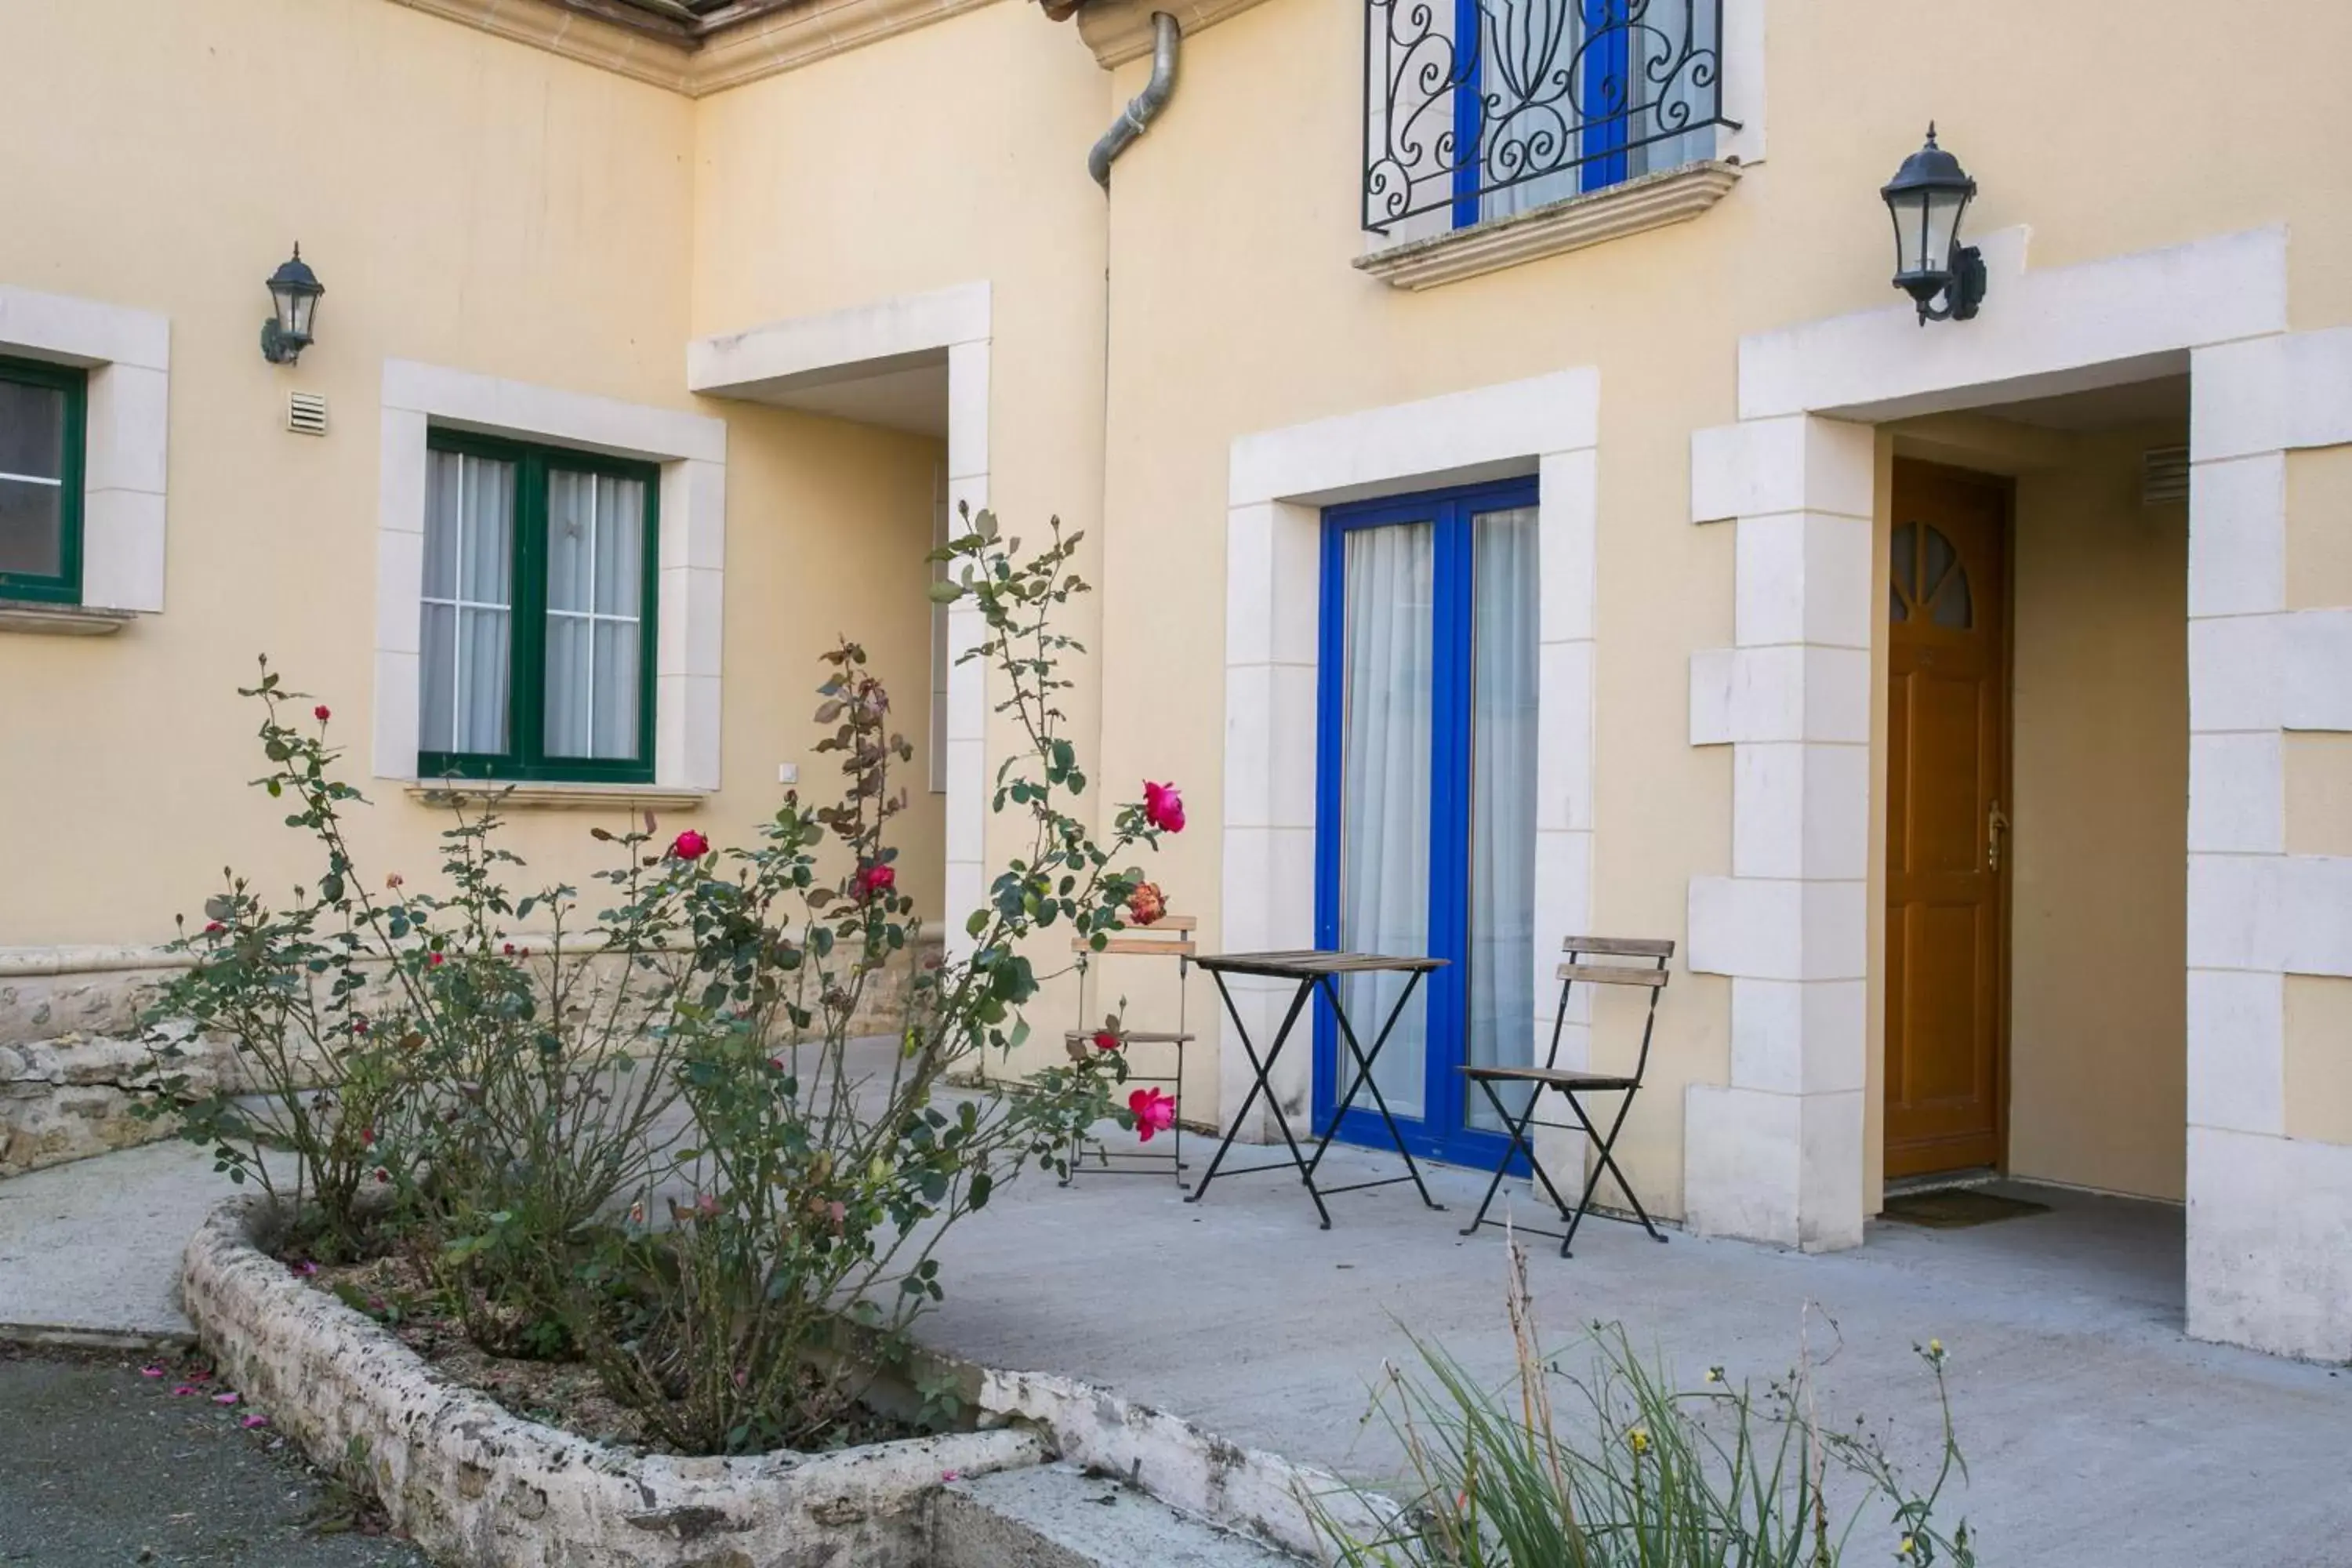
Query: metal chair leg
x=1605, y=1159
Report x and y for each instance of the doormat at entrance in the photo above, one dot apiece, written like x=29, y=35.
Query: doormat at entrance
x=1955, y=1208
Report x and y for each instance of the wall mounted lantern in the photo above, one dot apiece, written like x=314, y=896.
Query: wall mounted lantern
x=1926, y=197
x=294, y=291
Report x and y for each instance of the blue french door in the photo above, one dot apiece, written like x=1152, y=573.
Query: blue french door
x=1427, y=734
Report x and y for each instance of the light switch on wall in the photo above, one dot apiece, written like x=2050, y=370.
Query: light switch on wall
x=788, y=772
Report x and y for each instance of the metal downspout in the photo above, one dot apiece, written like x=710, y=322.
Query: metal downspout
x=1145, y=106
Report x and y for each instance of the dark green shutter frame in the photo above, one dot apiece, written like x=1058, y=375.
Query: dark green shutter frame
x=525, y=759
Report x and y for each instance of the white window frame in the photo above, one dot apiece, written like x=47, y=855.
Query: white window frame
x=126, y=445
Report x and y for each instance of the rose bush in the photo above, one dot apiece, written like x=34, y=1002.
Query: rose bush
x=647, y=1136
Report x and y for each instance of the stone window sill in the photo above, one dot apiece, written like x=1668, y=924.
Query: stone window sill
x=63, y=620
x=1653, y=201
x=558, y=796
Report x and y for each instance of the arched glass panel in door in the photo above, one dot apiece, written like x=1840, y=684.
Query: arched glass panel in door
x=1927, y=579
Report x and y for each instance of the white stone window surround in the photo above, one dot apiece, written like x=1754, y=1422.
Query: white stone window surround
x=1777, y=1152
x=878, y=337
x=1279, y=481
x=691, y=450
x=1426, y=251
x=126, y=446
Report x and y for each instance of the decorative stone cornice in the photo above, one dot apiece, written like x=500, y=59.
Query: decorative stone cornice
x=1120, y=30
x=63, y=620
x=1653, y=201
x=730, y=54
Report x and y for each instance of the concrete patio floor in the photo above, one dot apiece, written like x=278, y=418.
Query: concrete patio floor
x=2095, y=1431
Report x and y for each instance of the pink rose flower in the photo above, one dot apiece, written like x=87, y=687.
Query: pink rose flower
x=434, y=960
x=1164, y=807
x=1154, y=1112
x=689, y=845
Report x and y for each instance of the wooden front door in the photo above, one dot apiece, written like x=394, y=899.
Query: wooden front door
x=1947, y=778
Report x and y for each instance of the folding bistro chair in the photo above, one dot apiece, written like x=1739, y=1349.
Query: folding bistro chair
x=1573, y=1086
x=1169, y=936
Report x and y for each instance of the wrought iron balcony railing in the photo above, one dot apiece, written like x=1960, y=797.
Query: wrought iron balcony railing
x=1480, y=108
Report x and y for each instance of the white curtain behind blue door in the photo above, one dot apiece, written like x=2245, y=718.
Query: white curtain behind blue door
x=1503, y=731
x=1391, y=592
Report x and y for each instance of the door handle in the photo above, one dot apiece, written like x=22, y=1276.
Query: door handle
x=1996, y=829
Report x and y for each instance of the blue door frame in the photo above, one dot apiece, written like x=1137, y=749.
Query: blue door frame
x=1444, y=1133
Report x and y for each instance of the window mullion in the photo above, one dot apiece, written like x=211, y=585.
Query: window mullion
x=526, y=706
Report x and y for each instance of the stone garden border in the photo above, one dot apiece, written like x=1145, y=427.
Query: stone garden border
x=481, y=1487
x=474, y=1485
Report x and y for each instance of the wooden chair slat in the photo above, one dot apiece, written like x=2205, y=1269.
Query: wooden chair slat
x=1620, y=946
x=1146, y=945
x=1612, y=975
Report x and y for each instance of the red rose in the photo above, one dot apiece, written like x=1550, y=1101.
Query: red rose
x=321, y=713
x=689, y=845
x=877, y=878
x=433, y=959
x=1164, y=807
x=211, y=927
x=1107, y=1040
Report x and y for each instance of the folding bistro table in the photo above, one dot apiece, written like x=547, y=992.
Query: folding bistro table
x=1311, y=970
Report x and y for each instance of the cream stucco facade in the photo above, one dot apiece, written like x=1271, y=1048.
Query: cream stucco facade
x=843, y=262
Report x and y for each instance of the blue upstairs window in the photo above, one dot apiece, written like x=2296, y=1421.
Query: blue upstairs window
x=1487, y=108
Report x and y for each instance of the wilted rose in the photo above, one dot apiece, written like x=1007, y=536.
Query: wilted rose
x=1146, y=904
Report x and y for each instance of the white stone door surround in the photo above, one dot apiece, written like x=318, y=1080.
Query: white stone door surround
x=1279, y=481
x=1777, y=1154
x=885, y=335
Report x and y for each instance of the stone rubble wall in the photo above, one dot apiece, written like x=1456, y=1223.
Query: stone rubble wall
x=73, y=1062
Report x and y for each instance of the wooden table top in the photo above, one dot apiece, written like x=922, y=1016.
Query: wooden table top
x=1307, y=963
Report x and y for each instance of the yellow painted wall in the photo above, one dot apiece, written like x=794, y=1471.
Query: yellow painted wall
x=467, y=202
x=2098, y=884
x=1234, y=310
x=952, y=154
x=474, y=202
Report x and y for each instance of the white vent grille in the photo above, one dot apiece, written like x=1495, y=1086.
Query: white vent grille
x=2164, y=476
x=305, y=412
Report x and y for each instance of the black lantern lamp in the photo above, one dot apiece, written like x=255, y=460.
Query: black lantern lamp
x=1926, y=197
x=294, y=291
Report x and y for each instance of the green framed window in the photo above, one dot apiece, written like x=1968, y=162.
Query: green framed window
x=537, y=657
x=42, y=414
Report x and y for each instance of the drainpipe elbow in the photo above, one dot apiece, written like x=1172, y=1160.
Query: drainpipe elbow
x=1145, y=106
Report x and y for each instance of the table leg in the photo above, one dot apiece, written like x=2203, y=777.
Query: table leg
x=1364, y=1080
x=1262, y=1071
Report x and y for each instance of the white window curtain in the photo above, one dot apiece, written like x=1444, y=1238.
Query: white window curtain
x=1539, y=83
x=1503, y=734
x=468, y=603
x=595, y=593
x=32, y=470
x=1391, y=592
